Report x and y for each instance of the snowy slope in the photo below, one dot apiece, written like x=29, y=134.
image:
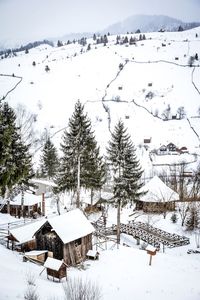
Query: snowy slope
x=94, y=76
x=121, y=274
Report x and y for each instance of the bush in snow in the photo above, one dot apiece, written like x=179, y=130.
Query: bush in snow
x=191, y=61
x=30, y=293
x=78, y=289
x=174, y=218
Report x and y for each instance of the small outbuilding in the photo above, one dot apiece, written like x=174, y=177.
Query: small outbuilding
x=36, y=256
x=158, y=197
x=21, y=238
x=55, y=268
x=68, y=236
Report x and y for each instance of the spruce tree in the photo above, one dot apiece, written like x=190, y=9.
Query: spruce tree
x=80, y=156
x=126, y=169
x=49, y=160
x=15, y=160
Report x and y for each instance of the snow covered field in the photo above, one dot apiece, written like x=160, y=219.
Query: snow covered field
x=94, y=75
x=122, y=273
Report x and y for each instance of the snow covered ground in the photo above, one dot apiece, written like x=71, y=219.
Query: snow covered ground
x=122, y=273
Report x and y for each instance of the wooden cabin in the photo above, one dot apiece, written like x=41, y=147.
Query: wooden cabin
x=158, y=197
x=68, y=236
x=32, y=205
x=55, y=268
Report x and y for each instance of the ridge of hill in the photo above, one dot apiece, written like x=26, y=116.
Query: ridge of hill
x=149, y=23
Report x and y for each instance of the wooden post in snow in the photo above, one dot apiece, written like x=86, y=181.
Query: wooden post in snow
x=151, y=251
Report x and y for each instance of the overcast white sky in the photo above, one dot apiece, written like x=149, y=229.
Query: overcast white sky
x=35, y=19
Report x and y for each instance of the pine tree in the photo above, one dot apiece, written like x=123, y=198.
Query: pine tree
x=49, y=160
x=80, y=155
x=15, y=160
x=126, y=168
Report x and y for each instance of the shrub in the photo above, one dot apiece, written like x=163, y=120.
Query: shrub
x=77, y=289
x=174, y=218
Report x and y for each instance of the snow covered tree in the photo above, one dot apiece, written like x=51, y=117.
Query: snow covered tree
x=49, y=160
x=181, y=112
x=15, y=160
x=193, y=218
x=80, y=156
x=126, y=168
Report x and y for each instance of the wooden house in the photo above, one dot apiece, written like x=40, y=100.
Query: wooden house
x=68, y=236
x=167, y=149
x=162, y=150
x=32, y=205
x=159, y=198
x=147, y=140
x=171, y=148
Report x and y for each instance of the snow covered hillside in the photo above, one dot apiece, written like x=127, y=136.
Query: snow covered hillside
x=122, y=273
x=136, y=83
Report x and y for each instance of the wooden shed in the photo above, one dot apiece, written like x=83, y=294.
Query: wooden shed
x=21, y=238
x=68, y=236
x=55, y=268
x=36, y=256
x=159, y=198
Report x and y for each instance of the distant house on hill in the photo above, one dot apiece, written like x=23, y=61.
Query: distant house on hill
x=167, y=149
x=68, y=236
x=147, y=140
x=171, y=149
x=159, y=197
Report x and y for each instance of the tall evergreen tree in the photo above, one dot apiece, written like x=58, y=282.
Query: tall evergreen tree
x=49, y=160
x=80, y=155
x=126, y=169
x=15, y=160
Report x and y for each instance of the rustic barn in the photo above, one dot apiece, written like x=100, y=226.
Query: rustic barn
x=68, y=236
x=159, y=198
x=32, y=205
x=55, y=268
x=21, y=238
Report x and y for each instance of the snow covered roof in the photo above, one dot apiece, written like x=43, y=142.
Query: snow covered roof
x=43, y=181
x=52, y=263
x=25, y=233
x=97, y=197
x=150, y=248
x=158, y=191
x=35, y=252
x=71, y=225
x=29, y=199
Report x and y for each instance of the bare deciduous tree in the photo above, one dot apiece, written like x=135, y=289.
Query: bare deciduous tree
x=78, y=289
x=183, y=210
x=26, y=122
